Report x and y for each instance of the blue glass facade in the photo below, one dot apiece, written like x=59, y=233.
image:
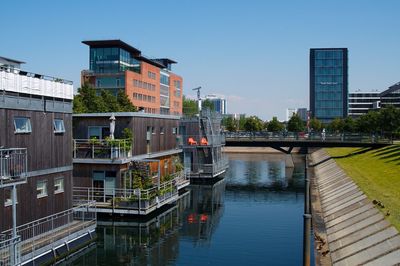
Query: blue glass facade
x=328, y=83
x=112, y=60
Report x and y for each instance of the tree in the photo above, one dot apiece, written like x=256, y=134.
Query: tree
x=87, y=101
x=274, y=125
x=315, y=124
x=336, y=125
x=295, y=124
x=230, y=124
x=125, y=105
x=368, y=122
x=389, y=119
x=189, y=106
x=253, y=123
x=110, y=101
x=207, y=104
x=349, y=125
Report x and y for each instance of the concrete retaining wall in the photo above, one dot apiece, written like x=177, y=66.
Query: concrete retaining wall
x=349, y=229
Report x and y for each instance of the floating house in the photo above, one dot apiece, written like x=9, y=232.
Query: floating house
x=129, y=163
x=38, y=223
x=202, y=143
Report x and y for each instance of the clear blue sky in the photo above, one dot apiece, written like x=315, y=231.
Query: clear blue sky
x=253, y=52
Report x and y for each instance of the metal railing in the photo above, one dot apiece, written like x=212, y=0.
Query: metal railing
x=215, y=168
x=313, y=136
x=133, y=199
x=180, y=178
x=48, y=230
x=8, y=247
x=13, y=166
x=101, y=149
x=211, y=140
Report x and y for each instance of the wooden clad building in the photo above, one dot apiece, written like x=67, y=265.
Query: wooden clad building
x=110, y=148
x=36, y=114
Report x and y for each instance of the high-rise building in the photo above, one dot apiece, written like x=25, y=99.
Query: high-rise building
x=149, y=83
x=361, y=102
x=328, y=83
x=302, y=113
x=218, y=102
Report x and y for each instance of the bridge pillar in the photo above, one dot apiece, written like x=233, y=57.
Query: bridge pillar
x=289, y=161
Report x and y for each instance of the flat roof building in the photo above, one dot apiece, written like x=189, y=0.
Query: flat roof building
x=361, y=102
x=328, y=83
x=149, y=83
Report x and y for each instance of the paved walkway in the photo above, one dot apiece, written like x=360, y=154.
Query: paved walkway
x=353, y=231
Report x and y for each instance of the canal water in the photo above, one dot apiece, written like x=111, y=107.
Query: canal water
x=254, y=216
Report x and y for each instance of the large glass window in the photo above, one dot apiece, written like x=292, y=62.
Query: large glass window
x=22, y=125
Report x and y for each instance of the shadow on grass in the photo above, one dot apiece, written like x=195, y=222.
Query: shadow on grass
x=357, y=152
x=386, y=150
x=389, y=155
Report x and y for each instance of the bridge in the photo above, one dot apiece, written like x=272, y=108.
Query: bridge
x=290, y=140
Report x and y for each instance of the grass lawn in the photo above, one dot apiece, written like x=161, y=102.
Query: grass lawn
x=377, y=173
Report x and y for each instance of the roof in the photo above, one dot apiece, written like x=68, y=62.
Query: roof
x=136, y=53
x=165, y=61
x=12, y=60
x=127, y=114
x=391, y=89
x=114, y=43
x=333, y=48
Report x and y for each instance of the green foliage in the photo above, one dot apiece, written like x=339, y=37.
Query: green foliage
x=337, y=125
x=386, y=120
x=189, y=106
x=231, y=124
x=207, y=104
x=349, y=125
x=315, y=124
x=87, y=101
x=253, y=123
x=295, y=124
x=274, y=125
x=124, y=103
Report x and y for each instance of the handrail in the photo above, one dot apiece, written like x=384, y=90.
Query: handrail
x=303, y=136
x=101, y=148
x=13, y=165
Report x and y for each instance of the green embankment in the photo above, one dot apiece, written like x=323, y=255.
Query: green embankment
x=377, y=173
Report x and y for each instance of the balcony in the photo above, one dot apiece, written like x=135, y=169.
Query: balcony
x=102, y=149
x=13, y=166
x=188, y=141
x=35, y=84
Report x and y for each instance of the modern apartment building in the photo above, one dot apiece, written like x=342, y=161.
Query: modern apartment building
x=150, y=84
x=361, y=102
x=328, y=83
x=220, y=105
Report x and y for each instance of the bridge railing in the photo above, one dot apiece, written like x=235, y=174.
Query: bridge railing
x=303, y=136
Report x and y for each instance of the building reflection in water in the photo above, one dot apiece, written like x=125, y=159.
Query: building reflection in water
x=155, y=240
x=205, y=212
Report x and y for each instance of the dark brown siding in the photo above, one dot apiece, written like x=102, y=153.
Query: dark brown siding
x=46, y=150
x=30, y=207
x=138, y=125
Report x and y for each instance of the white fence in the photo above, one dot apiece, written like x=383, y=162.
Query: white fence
x=24, y=82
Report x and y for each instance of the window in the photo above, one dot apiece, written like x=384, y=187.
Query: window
x=174, y=130
x=161, y=130
x=58, y=126
x=58, y=185
x=22, y=125
x=8, y=197
x=41, y=188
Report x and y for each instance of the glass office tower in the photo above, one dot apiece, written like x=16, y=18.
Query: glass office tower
x=328, y=83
